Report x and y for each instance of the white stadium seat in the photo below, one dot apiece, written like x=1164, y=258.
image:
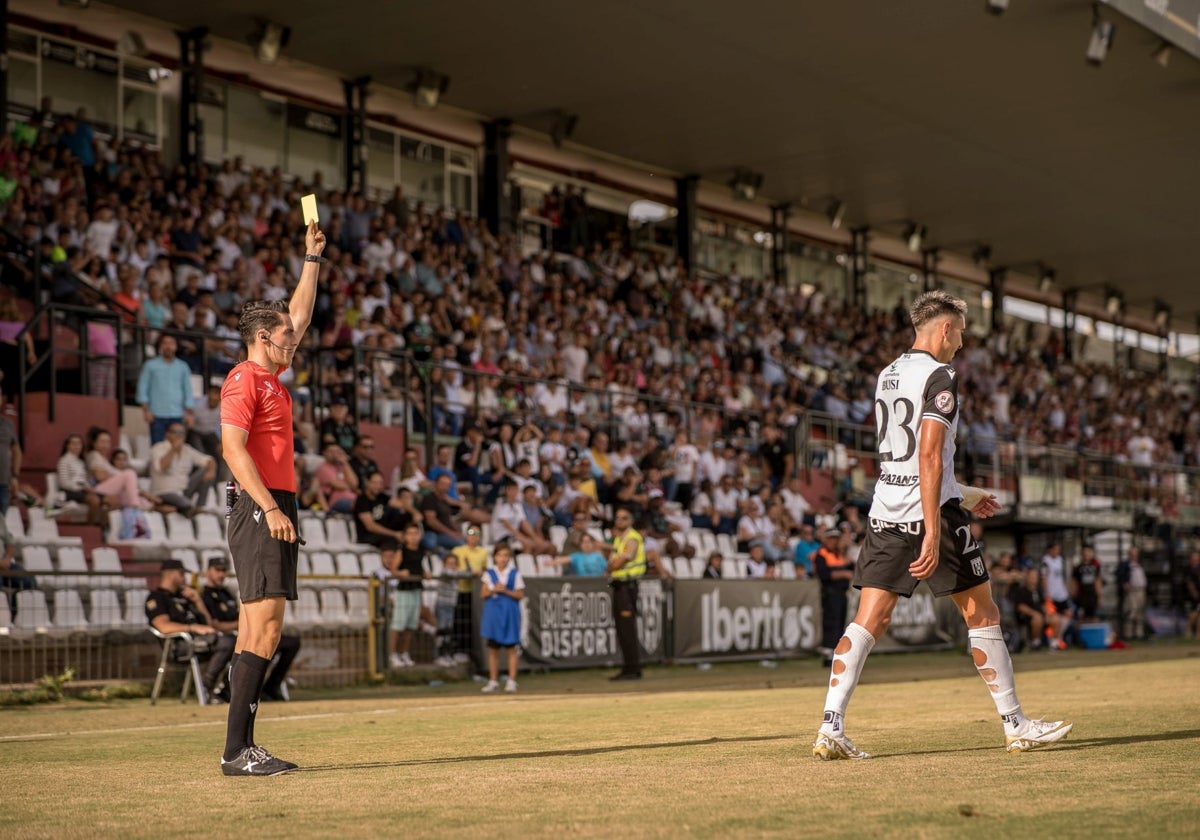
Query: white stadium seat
x=33, y=616
x=68, y=611
x=105, y=609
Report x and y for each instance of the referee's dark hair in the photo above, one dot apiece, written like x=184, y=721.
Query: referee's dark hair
x=933, y=305
x=260, y=315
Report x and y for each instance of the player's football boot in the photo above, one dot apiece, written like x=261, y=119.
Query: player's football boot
x=1037, y=733
x=833, y=747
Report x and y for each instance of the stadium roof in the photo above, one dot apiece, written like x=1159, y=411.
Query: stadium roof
x=984, y=128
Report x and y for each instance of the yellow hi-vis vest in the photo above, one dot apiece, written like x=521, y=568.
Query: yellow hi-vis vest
x=636, y=567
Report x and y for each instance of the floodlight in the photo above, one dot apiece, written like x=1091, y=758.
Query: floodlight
x=746, y=184
x=914, y=236
x=429, y=88
x=836, y=213
x=270, y=40
x=1100, y=42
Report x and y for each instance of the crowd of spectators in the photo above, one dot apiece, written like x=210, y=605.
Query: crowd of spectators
x=604, y=373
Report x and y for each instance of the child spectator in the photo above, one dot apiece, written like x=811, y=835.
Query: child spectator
x=589, y=561
x=443, y=610
x=503, y=588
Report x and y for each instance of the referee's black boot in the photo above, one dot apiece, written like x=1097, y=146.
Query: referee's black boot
x=256, y=761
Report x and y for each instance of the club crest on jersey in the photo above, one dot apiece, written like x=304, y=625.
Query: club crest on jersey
x=944, y=402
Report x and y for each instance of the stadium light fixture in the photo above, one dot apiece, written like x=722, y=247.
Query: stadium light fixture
x=997, y=7
x=1162, y=54
x=1114, y=302
x=1101, y=39
x=562, y=126
x=836, y=213
x=1046, y=276
x=269, y=40
x=914, y=236
x=131, y=43
x=643, y=211
x=746, y=184
x=429, y=88
x=1162, y=315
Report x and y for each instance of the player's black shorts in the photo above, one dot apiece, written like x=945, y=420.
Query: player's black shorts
x=891, y=547
x=265, y=566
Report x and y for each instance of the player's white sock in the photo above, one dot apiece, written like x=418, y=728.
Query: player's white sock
x=995, y=666
x=848, y=659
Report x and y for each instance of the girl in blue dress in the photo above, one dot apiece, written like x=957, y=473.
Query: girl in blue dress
x=503, y=588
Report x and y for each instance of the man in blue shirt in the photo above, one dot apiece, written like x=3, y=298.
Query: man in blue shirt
x=805, y=549
x=164, y=390
x=79, y=138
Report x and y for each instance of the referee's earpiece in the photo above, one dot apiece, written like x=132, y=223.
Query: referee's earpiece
x=264, y=337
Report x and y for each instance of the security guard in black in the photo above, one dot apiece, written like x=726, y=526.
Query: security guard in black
x=222, y=606
x=171, y=599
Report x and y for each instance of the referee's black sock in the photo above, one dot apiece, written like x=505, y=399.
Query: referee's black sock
x=245, y=685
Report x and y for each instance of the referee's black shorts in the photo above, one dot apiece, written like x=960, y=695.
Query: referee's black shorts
x=891, y=546
x=265, y=566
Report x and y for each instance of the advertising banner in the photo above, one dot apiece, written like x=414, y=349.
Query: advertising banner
x=567, y=622
x=759, y=619
x=921, y=622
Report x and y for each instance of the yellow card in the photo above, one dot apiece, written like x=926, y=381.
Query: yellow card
x=309, y=205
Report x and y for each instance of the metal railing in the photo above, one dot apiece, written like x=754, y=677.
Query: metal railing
x=105, y=374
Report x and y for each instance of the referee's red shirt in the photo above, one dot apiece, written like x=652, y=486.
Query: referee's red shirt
x=253, y=399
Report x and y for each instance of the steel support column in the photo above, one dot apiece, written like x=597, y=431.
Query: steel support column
x=355, y=128
x=859, y=264
x=779, y=242
x=1070, y=300
x=495, y=208
x=685, y=220
x=996, y=279
x=191, y=68
x=4, y=64
x=929, y=269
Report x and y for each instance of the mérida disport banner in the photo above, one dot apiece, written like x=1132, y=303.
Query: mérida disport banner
x=567, y=622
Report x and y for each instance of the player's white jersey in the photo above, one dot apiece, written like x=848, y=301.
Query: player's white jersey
x=914, y=388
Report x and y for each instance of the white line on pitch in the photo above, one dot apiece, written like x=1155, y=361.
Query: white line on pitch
x=44, y=735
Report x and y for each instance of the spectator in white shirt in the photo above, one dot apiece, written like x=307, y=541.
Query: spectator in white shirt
x=712, y=463
x=685, y=459
x=794, y=504
x=507, y=515
x=726, y=503
x=179, y=474
x=553, y=453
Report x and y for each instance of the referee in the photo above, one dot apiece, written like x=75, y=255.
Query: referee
x=256, y=436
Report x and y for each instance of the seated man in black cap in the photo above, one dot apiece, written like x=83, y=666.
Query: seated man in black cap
x=222, y=606
x=176, y=607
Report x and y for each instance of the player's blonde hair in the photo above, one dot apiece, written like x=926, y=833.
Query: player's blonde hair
x=933, y=305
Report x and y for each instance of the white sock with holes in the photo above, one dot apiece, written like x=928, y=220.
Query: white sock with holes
x=843, y=676
x=995, y=666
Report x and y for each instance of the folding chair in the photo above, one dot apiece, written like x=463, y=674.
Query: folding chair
x=184, y=653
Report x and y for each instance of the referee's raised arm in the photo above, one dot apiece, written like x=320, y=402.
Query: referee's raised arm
x=300, y=307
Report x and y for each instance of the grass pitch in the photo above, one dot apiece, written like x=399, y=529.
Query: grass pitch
x=715, y=753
